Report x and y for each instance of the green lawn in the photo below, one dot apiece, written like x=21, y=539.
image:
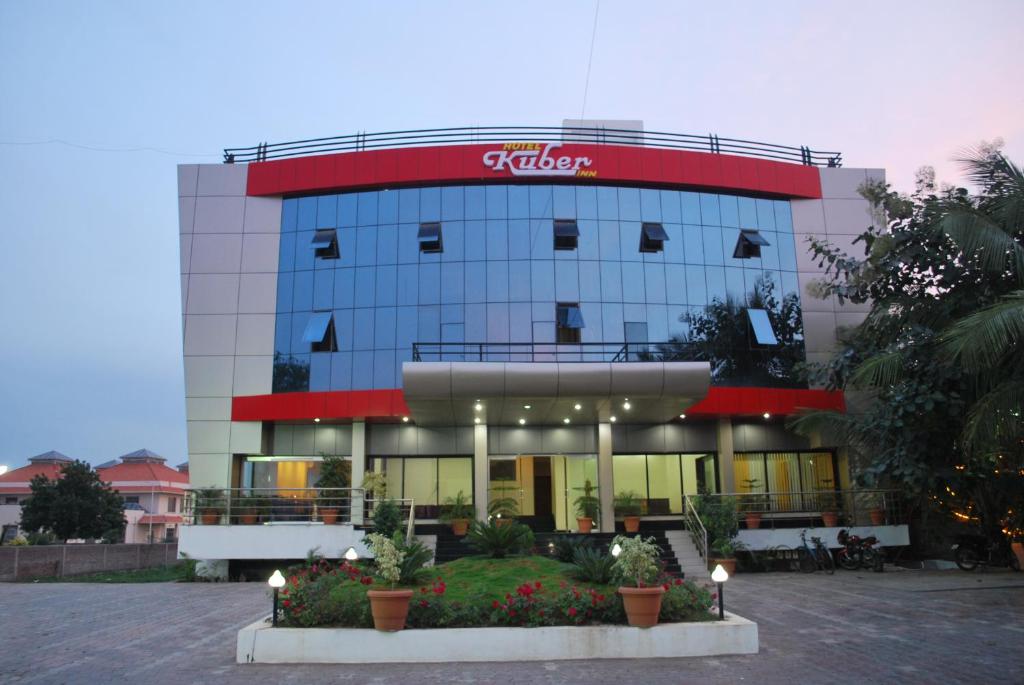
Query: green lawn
x=160, y=574
x=474, y=578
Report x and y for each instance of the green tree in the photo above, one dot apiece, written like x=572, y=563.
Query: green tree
x=76, y=505
x=720, y=335
x=939, y=355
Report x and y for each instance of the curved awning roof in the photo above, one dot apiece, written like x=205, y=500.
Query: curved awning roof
x=446, y=393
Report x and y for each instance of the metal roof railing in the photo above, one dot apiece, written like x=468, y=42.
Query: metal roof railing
x=468, y=135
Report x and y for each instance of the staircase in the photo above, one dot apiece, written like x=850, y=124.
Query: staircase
x=603, y=541
x=690, y=562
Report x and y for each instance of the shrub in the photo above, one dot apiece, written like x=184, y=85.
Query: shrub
x=415, y=556
x=335, y=478
x=456, y=508
x=593, y=565
x=387, y=518
x=628, y=504
x=497, y=541
x=387, y=558
x=565, y=546
x=636, y=562
x=684, y=601
x=587, y=505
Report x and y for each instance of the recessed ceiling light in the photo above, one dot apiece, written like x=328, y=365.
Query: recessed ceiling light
x=527, y=406
x=522, y=422
x=476, y=420
x=577, y=406
x=405, y=419
x=766, y=415
x=613, y=419
x=682, y=416
x=478, y=406
x=565, y=420
x=626, y=405
x=316, y=420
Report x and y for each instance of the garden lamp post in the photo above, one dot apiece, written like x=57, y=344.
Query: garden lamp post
x=351, y=554
x=277, y=582
x=719, y=576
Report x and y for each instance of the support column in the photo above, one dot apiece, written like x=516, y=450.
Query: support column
x=605, y=479
x=358, y=469
x=480, y=471
x=725, y=454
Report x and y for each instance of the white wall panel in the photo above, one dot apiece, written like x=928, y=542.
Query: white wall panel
x=255, y=334
x=842, y=183
x=257, y=294
x=260, y=253
x=808, y=216
x=209, y=470
x=209, y=437
x=246, y=437
x=216, y=253
x=186, y=214
x=208, y=376
x=212, y=294
x=208, y=408
x=209, y=334
x=262, y=215
x=219, y=214
x=188, y=176
x=253, y=375
x=222, y=179
x=847, y=217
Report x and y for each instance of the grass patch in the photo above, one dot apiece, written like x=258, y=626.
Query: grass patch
x=159, y=574
x=476, y=578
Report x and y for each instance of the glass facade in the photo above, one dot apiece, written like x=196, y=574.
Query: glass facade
x=499, y=277
x=661, y=480
x=428, y=481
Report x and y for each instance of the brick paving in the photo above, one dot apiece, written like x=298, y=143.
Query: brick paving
x=910, y=626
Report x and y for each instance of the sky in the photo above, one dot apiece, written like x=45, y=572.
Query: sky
x=100, y=101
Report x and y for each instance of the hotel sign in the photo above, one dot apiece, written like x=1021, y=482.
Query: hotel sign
x=536, y=159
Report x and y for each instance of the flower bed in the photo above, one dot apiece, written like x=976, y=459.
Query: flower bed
x=478, y=592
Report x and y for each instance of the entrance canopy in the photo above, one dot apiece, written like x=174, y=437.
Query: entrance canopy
x=551, y=393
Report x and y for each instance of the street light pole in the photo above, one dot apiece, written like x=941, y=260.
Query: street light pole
x=277, y=582
x=719, y=576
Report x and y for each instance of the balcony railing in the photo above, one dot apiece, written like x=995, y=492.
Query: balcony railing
x=533, y=134
x=805, y=508
x=270, y=506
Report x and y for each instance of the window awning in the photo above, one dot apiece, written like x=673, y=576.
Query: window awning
x=566, y=228
x=762, y=325
x=316, y=328
x=429, y=232
x=570, y=317
x=754, y=237
x=654, y=231
x=323, y=238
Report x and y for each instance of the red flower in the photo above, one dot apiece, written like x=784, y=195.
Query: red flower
x=537, y=585
x=714, y=595
x=423, y=603
x=600, y=598
x=666, y=586
x=495, y=604
x=572, y=611
x=287, y=603
x=679, y=581
x=423, y=590
x=511, y=612
x=367, y=580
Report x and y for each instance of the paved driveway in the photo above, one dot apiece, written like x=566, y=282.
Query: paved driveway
x=908, y=626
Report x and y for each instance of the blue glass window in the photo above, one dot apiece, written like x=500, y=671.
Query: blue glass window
x=320, y=332
x=652, y=237
x=569, y=316
x=749, y=245
x=430, y=237
x=566, y=233
x=325, y=243
x=762, y=327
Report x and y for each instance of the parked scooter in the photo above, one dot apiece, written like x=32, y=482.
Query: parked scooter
x=858, y=552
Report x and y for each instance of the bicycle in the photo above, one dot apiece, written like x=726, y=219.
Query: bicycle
x=810, y=559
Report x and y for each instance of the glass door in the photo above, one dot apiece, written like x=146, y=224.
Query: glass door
x=572, y=477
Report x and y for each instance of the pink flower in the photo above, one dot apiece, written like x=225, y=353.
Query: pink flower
x=572, y=611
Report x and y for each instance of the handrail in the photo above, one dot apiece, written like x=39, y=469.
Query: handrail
x=466, y=135
x=410, y=527
x=856, y=507
x=698, y=532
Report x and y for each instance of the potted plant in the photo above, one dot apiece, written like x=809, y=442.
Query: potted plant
x=636, y=563
x=209, y=505
x=718, y=514
x=877, y=511
x=627, y=505
x=249, y=509
x=457, y=512
x=829, y=509
x=389, y=607
x=753, y=503
x=587, y=507
x=503, y=508
x=333, y=482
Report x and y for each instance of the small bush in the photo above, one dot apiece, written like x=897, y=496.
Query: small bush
x=566, y=546
x=415, y=557
x=593, y=566
x=499, y=541
x=684, y=601
x=387, y=518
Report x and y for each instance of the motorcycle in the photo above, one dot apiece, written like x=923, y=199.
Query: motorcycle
x=973, y=550
x=857, y=552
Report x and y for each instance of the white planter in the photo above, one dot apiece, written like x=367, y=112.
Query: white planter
x=259, y=643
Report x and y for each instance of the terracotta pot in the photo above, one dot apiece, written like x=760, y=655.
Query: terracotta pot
x=728, y=564
x=643, y=604
x=877, y=517
x=328, y=515
x=753, y=521
x=247, y=519
x=1018, y=551
x=829, y=518
x=460, y=526
x=210, y=518
x=389, y=608
x=632, y=525
x=585, y=525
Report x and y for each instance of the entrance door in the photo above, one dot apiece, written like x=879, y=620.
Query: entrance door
x=542, y=486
